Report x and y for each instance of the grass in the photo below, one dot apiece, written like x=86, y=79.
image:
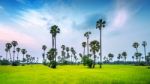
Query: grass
x=74, y=74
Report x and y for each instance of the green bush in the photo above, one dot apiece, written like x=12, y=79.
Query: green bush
x=89, y=63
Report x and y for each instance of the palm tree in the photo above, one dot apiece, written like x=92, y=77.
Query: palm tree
x=119, y=57
x=14, y=44
x=84, y=45
x=86, y=34
x=144, y=44
x=136, y=45
x=23, y=53
x=54, y=30
x=99, y=25
x=18, y=50
x=94, y=48
x=44, y=47
x=110, y=55
x=138, y=56
x=67, y=49
x=133, y=58
x=63, y=52
x=72, y=51
x=28, y=58
x=9, y=46
x=6, y=50
x=124, y=54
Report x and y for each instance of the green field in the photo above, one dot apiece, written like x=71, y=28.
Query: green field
x=74, y=74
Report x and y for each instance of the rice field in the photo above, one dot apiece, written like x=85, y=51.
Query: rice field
x=74, y=74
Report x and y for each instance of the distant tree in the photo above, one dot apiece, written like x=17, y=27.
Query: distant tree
x=28, y=58
x=110, y=55
x=138, y=56
x=67, y=50
x=23, y=51
x=94, y=48
x=18, y=50
x=136, y=45
x=133, y=58
x=87, y=35
x=44, y=47
x=6, y=50
x=99, y=25
x=124, y=54
x=63, y=53
x=84, y=45
x=144, y=44
x=119, y=57
x=14, y=44
x=9, y=46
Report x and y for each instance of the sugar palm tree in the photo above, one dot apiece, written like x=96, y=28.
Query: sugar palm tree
x=110, y=55
x=67, y=49
x=83, y=45
x=72, y=51
x=133, y=58
x=119, y=57
x=138, y=56
x=144, y=44
x=9, y=46
x=14, y=44
x=6, y=50
x=87, y=35
x=136, y=45
x=94, y=48
x=54, y=31
x=99, y=25
x=44, y=47
x=18, y=50
x=23, y=51
x=63, y=52
x=124, y=54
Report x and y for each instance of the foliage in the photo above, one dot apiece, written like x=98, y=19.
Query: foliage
x=15, y=63
x=4, y=62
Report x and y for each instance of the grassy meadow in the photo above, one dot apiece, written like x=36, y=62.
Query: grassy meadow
x=74, y=74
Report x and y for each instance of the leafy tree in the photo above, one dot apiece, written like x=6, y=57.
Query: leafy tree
x=51, y=56
x=94, y=48
x=99, y=25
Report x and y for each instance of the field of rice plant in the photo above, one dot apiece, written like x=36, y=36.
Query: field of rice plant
x=74, y=74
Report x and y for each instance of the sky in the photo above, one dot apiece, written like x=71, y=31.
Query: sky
x=29, y=21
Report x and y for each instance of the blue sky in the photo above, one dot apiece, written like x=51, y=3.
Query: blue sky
x=28, y=22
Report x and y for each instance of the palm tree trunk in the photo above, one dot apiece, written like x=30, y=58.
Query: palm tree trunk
x=84, y=51
x=10, y=55
x=14, y=54
x=52, y=42
x=17, y=56
x=55, y=48
x=100, y=48
x=6, y=55
x=94, y=61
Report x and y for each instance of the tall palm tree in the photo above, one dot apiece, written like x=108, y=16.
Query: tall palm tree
x=124, y=54
x=6, y=50
x=94, y=48
x=54, y=31
x=72, y=51
x=119, y=57
x=18, y=50
x=67, y=49
x=23, y=53
x=136, y=45
x=99, y=25
x=14, y=44
x=63, y=52
x=144, y=44
x=9, y=46
x=86, y=34
x=83, y=45
x=44, y=47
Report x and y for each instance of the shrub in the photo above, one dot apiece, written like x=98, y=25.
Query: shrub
x=89, y=63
